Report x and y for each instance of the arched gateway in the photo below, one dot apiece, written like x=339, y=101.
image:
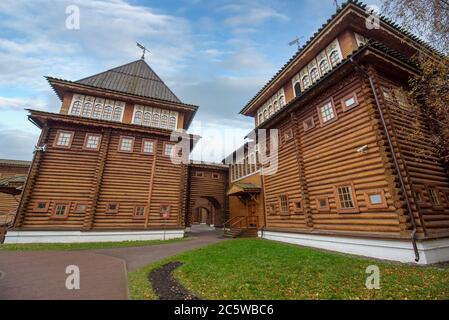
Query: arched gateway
x=207, y=202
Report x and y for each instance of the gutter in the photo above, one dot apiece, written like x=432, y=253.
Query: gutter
x=396, y=164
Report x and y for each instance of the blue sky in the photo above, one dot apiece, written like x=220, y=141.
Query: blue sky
x=215, y=54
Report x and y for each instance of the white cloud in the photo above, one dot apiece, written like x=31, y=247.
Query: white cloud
x=252, y=14
x=21, y=103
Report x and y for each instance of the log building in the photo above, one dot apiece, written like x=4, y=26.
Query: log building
x=103, y=167
x=349, y=177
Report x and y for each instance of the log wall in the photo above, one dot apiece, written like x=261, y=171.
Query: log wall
x=96, y=178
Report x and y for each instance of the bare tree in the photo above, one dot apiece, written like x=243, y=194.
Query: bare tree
x=428, y=19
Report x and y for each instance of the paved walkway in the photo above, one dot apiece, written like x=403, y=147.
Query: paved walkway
x=103, y=272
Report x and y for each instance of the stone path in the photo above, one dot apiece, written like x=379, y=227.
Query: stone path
x=103, y=272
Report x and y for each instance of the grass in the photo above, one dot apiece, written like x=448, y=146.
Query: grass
x=260, y=269
x=82, y=246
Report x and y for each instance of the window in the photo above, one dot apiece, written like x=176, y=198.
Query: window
x=322, y=204
x=139, y=211
x=165, y=210
x=270, y=111
x=272, y=209
x=346, y=198
x=112, y=207
x=76, y=108
x=283, y=204
x=387, y=94
x=276, y=106
x=324, y=67
x=138, y=117
x=199, y=174
x=61, y=210
x=96, y=112
x=169, y=149
x=80, y=208
x=87, y=110
x=172, y=123
x=298, y=206
x=433, y=195
x=92, y=141
x=147, y=146
x=64, y=139
x=375, y=199
x=334, y=57
x=215, y=176
x=308, y=124
x=265, y=114
x=314, y=76
x=126, y=144
x=41, y=206
x=288, y=135
x=147, y=118
x=305, y=82
x=260, y=118
x=349, y=102
x=164, y=120
x=327, y=112
x=282, y=101
x=155, y=122
x=297, y=89
x=117, y=114
x=107, y=113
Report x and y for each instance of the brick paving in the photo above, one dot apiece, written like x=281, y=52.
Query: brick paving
x=103, y=272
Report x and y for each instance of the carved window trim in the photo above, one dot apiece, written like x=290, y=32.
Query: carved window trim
x=144, y=141
x=66, y=211
x=86, y=139
x=57, y=136
x=41, y=210
x=120, y=146
x=326, y=208
x=137, y=211
x=306, y=125
x=110, y=210
x=340, y=208
x=78, y=211
x=382, y=205
x=334, y=110
x=352, y=96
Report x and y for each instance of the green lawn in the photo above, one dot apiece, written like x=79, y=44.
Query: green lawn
x=260, y=269
x=82, y=246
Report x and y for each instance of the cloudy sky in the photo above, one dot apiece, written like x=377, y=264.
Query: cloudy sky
x=212, y=53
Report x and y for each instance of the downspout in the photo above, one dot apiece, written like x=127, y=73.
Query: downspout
x=396, y=164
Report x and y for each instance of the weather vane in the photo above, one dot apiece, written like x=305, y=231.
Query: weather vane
x=295, y=41
x=144, y=50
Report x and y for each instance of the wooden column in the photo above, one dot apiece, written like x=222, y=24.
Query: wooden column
x=31, y=179
x=97, y=181
x=150, y=190
x=302, y=178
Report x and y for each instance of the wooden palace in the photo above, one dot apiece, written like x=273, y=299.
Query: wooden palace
x=349, y=178
x=104, y=165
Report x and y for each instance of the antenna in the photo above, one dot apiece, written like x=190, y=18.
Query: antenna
x=295, y=41
x=144, y=50
x=336, y=4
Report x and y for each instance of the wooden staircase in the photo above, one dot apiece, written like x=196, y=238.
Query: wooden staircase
x=241, y=226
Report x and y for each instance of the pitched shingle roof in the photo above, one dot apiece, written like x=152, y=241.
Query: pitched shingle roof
x=135, y=78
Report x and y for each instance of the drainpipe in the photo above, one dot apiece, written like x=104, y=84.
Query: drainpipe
x=396, y=164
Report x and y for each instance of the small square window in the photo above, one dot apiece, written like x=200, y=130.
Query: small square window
x=64, y=139
x=216, y=176
x=327, y=112
x=323, y=204
x=349, y=102
x=288, y=135
x=169, y=150
x=375, y=199
x=433, y=195
x=165, y=211
x=147, y=146
x=199, y=174
x=80, y=208
x=126, y=144
x=298, y=206
x=308, y=124
x=41, y=206
x=112, y=207
x=61, y=210
x=272, y=209
x=139, y=211
x=92, y=141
